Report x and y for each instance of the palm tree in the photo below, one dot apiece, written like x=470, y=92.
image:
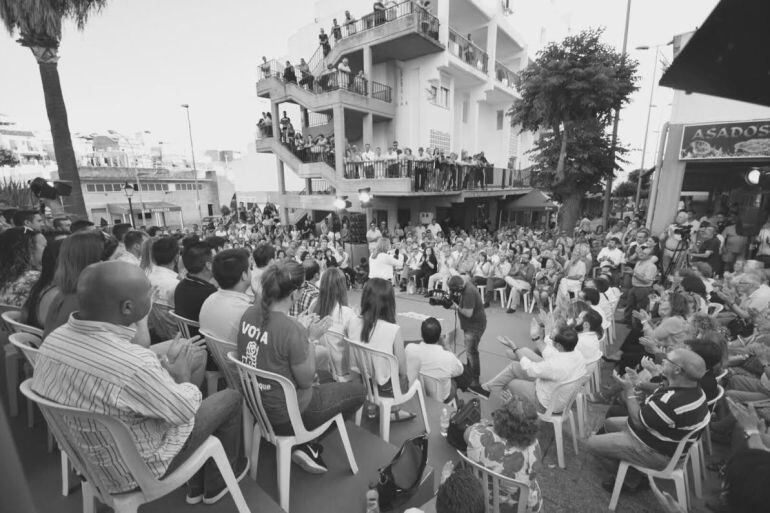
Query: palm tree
x=38, y=24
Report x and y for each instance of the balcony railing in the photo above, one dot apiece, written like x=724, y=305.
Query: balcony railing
x=329, y=80
x=428, y=176
x=429, y=26
x=317, y=119
x=318, y=186
x=467, y=51
x=505, y=75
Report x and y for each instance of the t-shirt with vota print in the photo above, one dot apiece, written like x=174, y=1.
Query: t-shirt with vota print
x=282, y=344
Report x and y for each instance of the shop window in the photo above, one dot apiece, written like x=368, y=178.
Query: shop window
x=211, y=209
x=99, y=187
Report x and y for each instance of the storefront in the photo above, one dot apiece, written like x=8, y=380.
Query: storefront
x=705, y=167
x=156, y=213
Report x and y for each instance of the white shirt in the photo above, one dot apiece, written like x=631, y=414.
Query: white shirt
x=615, y=256
x=256, y=280
x=556, y=368
x=433, y=361
x=221, y=313
x=758, y=300
x=435, y=229
x=382, y=266
x=129, y=258
x=383, y=338
x=164, y=282
x=588, y=345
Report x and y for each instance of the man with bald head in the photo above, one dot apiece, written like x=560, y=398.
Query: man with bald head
x=90, y=363
x=649, y=436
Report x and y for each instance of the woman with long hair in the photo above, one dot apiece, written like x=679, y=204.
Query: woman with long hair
x=428, y=267
x=377, y=327
x=333, y=303
x=273, y=341
x=43, y=291
x=510, y=436
x=381, y=263
x=21, y=251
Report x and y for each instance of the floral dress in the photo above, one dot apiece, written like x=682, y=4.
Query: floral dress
x=498, y=455
x=16, y=293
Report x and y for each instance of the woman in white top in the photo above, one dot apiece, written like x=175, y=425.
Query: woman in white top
x=482, y=270
x=377, y=328
x=381, y=264
x=333, y=302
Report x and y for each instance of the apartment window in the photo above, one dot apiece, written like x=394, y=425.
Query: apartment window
x=99, y=187
x=211, y=209
x=439, y=96
x=91, y=187
x=500, y=118
x=440, y=140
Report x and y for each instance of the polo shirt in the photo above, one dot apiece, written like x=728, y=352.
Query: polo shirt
x=189, y=296
x=669, y=415
x=557, y=367
x=164, y=282
x=433, y=361
x=221, y=313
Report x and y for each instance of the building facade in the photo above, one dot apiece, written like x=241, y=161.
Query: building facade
x=706, y=151
x=440, y=77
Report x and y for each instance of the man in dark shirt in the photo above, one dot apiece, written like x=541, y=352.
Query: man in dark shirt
x=473, y=321
x=649, y=435
x=708, y=250
x=193, y=290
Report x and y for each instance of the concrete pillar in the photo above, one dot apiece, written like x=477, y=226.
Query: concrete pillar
x=368, y=133
x=281, y=176
x=667, y=184
x=442, y=13
x=309, y=185
x=339, y=139
x=492, y=49
x=304, y=119
x=368, y=62
x=275, y=112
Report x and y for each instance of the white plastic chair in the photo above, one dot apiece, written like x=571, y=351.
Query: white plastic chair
x=526, y=296
x=250, y=381
x=592, y=385
x=557, y=419
x=676, y=470
x=219, y=349
x=63, y=421
x=432, y=388
x=28, y=344
x=501, y=291
x=365, y=357
x=12, y=318
x=184, y=325
x=705, y=441
x=492, y=483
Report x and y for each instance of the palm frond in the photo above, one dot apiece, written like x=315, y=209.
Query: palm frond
x=39, y=22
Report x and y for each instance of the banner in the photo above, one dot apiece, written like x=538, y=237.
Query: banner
x=741, y=140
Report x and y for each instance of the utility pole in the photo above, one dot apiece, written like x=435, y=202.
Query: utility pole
x=615, y=121
x=186, y=107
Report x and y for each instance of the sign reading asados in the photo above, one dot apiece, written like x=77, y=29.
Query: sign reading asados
x=745, y=139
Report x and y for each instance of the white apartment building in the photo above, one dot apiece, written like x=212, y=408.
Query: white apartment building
x=439, y=77
x=29, y=150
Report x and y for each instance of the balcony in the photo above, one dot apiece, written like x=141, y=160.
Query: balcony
x=468, y=52
x=402, y=32
x=505, y=76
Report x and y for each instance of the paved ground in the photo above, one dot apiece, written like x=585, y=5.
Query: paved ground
x=578, y=487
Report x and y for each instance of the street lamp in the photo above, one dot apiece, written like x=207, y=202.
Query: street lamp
x=186, y=107
x=128, y=190
x=647, y=125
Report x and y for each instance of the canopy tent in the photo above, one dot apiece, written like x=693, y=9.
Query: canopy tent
x=729, y=56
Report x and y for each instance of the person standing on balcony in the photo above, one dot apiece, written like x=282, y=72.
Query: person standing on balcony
x=470, y=52
x=288, y=73
x=420, y=171
x=379, y=13
x=265, y=67
x=306, y=78
x=323, y=40
x=343, y=69
x=359, y=83
x=336, y=30
x=328, y=79
x=350, y=23
x=368, y=157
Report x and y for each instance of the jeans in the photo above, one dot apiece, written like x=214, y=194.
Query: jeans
x=329, y=398
x=638, y=298
x=220, y=415
x=619, y=444
x=495, y=282
x=472, y=341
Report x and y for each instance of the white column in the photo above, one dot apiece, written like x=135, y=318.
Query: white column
x=368, y=133
x=492, y=49
x=339, y=138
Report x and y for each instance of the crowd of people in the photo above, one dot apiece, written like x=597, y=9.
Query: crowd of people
x=103, y=297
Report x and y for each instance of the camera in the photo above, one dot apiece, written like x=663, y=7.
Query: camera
x=683, y=230
x=443, y=298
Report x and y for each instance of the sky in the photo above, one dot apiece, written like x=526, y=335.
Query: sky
x=137, y=61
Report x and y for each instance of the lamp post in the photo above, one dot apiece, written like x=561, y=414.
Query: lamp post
x=186, y=107
x=647, y=125
x=128, y=190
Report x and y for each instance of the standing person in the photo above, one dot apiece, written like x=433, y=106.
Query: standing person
x=381, y=263
x=133, y=241
x=763, y=244
x=473, y=322
x=271, y=340
x=642, y=280
x=336, y=30
x=708, y=250
x=323, y=40
x=91, y=363
x=29, y=220
x=733, y=248
x=373, y=235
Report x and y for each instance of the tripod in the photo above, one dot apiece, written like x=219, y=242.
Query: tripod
x=680, y=257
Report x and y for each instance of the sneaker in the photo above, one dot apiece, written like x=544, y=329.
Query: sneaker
x=308, y=456
x=240, y=470
x=193, y=496
x=480, y=391
x=511, y=310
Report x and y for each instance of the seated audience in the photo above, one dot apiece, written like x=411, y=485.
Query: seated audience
x=309, y=289
x=332, y=303
x=21, y=254
x=43, y=291
x=264, y=255
x=221, y=312
x=132, y=247
x=196, y=286
x=432, y=359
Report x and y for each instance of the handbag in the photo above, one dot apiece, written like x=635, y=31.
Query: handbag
x=467, y=415
x=400, y=478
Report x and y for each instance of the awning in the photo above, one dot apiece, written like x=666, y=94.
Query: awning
x=729, y=56
x=119, y=209
x=534, y=199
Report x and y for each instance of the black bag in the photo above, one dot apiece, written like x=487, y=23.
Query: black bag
x=401, y=477
x=468, y=414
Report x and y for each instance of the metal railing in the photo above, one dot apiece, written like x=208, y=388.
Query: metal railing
x=317, y=119
x=430, y=176
x=505, y=75
x=330, y=80
x=467, y=51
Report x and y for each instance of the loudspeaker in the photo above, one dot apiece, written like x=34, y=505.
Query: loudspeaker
x=357, y=227
x=750, y=221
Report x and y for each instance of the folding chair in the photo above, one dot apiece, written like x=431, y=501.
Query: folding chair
x=12, y=319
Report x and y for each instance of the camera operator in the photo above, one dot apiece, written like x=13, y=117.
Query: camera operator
x=473, y=321
x=676, y=236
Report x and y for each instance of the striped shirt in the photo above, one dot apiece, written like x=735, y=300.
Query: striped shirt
x=669, y=415
x=94, y=366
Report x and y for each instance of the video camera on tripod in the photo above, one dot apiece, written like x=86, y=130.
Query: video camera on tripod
x=683, y=231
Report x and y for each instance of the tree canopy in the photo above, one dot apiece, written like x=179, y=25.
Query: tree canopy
x=39, y=22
